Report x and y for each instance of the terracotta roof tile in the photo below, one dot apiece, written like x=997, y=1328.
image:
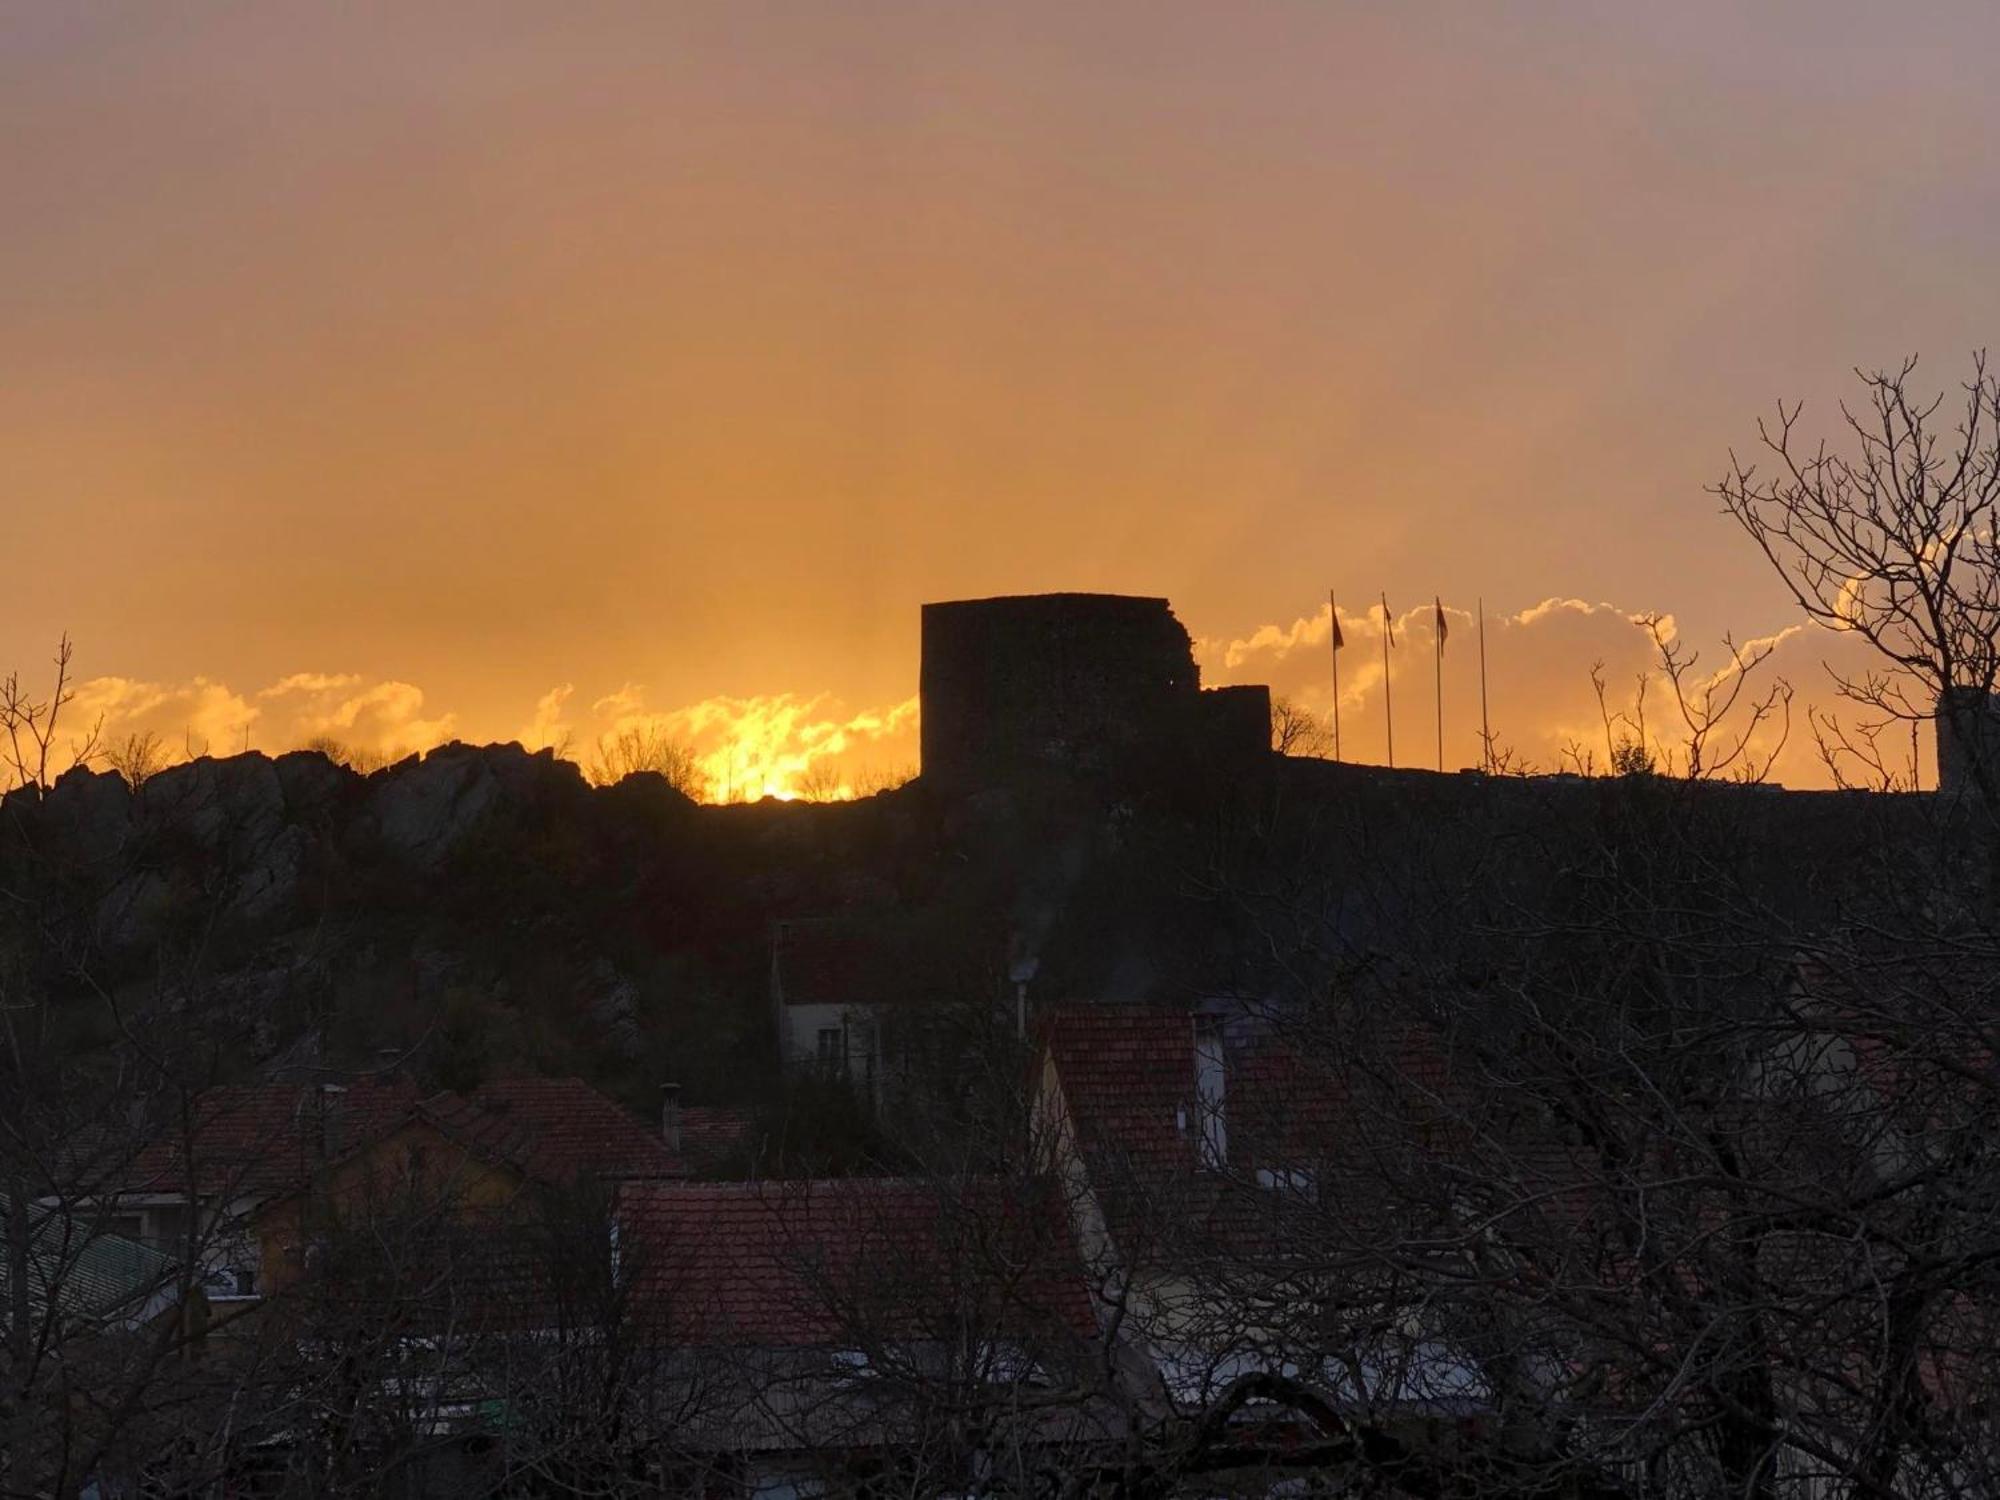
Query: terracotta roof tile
x=1127, y=1072
x=264, y=1139
x=823, y=1263
x=558, y=1131
x=253, y=1140
x=827, y=962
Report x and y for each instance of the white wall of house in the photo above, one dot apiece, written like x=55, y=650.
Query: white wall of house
x=845, y=1040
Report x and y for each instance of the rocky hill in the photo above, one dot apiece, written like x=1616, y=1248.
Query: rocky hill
x=482, y=909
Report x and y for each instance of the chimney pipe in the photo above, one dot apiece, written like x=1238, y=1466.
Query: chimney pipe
x=1210, y=1092
x=670, y=1116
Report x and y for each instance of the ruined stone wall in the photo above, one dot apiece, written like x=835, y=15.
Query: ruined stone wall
x=1075, y=682
x=1235, y=724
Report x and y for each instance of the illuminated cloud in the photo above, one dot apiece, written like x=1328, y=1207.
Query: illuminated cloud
x=548, y=729
x=776, y=745
x=1541, y=700
x=384, y=719
x=205, y=717
x=197, y=717
x=311, y=682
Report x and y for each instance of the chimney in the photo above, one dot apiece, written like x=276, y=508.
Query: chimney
x=670, y=1116
x=1210, y=1082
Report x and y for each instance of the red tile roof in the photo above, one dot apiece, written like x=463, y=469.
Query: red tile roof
x=831, y=1262
x=824, y=961
x=256, y=1139
x=1289, y=1116
x=558, y=1131
x=263, y=1139
x=1127, y=1073
x=1128, y=1076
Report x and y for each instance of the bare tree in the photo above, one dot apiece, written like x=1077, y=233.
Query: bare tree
x=638, y=749
x=138, y=757
x=361, y=761
x=820, y=782
x=1892, y=540
x=1297, y=731
x=32, y=725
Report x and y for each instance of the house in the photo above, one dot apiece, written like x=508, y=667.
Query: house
x=81, y=1279
x=1211, y=1172
x=254, y=1172
x=199, y=1182
x=833, y=1332
x=832, y=989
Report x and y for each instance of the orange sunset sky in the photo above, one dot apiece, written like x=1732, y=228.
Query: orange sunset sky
x=510, y=370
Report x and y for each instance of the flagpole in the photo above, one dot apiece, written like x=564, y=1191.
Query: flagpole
x=1485, y=728
x=1437, y=648
x=1388, y=707
x=1333, y=643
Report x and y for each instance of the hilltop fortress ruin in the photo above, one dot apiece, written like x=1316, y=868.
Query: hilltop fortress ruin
x=1079, y=684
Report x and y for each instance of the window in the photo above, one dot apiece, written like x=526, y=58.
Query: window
x=1299, y=1182
x=231, y=1281
x=832, y=1054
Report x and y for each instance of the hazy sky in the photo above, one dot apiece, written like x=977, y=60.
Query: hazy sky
x=392, y=367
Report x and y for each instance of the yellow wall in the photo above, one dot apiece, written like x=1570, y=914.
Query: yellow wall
x=413, y=1168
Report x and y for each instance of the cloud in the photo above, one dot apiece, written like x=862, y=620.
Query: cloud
x=548, y=729
x=199, y=716
x=205, y=717
x=1540, y=698
x=310, y=682
x=782, y=745
x=386, y=717
x=777, y=745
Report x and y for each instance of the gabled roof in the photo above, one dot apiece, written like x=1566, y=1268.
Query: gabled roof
x=1127, y=1074
x=266, y=1140
x=826, y=961
x=253, y=1140
x=835, y=1262
x=557, y=1131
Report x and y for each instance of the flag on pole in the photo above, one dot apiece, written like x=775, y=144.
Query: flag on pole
x=1333, y=620
x=1388, y=704
x=1437, y=670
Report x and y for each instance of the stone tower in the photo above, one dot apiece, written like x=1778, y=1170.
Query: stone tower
x=1084, y=684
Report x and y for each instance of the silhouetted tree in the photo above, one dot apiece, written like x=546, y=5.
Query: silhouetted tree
x=637, y=749
x=1893, y=540
x=361, y=761
x=1297, y=731
x=138, y=757
x=33, y=752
